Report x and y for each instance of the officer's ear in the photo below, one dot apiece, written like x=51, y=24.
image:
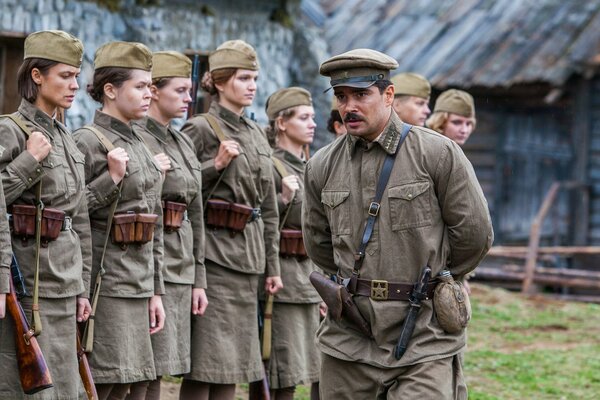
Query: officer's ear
x=388, y=95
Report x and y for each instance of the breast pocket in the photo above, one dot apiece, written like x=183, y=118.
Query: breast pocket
x=79, y=163
x=410, y=205
x=133, y=182
x=54, y=182
x=338, y=210
x=266, y=172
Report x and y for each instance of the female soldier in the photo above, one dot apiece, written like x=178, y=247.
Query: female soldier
x=294, y=357
x=183, y=217
x=130, y=262
x=41, y=166
x=453, y=115
x=242, y=242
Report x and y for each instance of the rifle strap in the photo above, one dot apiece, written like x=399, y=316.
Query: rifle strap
x=39, y=208
x=212, y=121
x=373, y=210
x=88, y=332
x=267, y=328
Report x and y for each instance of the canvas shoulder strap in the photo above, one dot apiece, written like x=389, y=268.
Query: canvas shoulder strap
x=279, y=167
x=212, y=121
x=108, y=145
x=20, y=123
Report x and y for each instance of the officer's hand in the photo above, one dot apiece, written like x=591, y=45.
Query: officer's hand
x=117, y=164
x=38, y=145
x=199, y=301
x=84, y=309
x=289, y=185
x=2, y=305
x=322, y=309
x=273, y=284
x=157, y=314
x=163, y=161
x=228, y=150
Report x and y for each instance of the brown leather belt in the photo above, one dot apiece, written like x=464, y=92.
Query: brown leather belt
x=384, y=290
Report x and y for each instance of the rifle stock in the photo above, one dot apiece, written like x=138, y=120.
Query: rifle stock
x=84, y=371
x=33, y=370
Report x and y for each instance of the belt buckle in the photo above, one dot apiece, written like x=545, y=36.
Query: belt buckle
x=67, y=224
x=379, y=290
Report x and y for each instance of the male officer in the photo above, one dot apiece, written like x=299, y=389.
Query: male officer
x=411, y=97
x=432, y=213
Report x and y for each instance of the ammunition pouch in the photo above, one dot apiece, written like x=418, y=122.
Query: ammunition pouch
x=339, y=302
x=132, y=228
x=173, y=215
x=221, y=214
x=291, y=244
x=451, y=305
x=53, y=222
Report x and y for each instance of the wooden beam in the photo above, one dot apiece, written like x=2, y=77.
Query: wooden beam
x=519, y=251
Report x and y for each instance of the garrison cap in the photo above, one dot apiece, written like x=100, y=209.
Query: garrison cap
x=56, y=46
x=359, y=68
x=287, y=98
x=233, y=54
x=411, y=84
x=123, y=55
x=170, y=64
x=456, y=102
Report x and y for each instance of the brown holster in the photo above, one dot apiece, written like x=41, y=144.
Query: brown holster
x=339, y=302
x=173, y=215
x=23, y=222
x=231, y=216
x=132, y=228
x=291, y=244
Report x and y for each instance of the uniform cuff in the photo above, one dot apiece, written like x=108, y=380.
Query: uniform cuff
x=104, y=189
x=159, y=287
x=4, y=277
x=200, y=279
x=27, y=168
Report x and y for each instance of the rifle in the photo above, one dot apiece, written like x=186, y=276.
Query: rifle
x=33, y=370
x=260, y=390
x=195, y=81
x=84, y=370
x=418, y=294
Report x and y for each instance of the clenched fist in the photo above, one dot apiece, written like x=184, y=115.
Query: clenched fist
x=228, y=150
x=117, y=164
x=38, y=145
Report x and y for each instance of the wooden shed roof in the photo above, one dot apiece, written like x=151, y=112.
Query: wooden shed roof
x=487, y=43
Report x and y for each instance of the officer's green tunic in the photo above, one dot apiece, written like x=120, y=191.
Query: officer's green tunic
x=225, y=346
x=183, y=264
x=122, y=348
x=66, y=263
x=294, y=358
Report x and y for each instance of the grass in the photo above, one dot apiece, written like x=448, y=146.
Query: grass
x=526, y=348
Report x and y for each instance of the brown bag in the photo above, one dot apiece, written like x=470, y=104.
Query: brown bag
x=123, y=228
x=239, y=214
x=339, y=302
x=23, y=220
x=173, y=214
x=217, y=213
x=451, y=304
x=144, y=227
x=52, y=223
x=292, y=244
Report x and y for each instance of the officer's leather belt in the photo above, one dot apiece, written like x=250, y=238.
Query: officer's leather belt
x=384, y=290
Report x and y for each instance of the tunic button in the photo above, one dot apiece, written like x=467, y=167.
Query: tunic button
x=29, y=179
x=38, y=170
x=410, y=196
x=52, y=164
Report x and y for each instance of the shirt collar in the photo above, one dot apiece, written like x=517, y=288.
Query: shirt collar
x=37, y=116
x=113, y=124
x=231, y=119
x=388, y=138
x=157, y=130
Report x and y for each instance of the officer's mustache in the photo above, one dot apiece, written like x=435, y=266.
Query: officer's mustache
x=351, y=117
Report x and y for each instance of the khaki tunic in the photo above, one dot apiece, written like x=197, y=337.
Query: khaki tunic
x=132, y=275
x=5, y=249
x=432, y=212
x=248, y=180
x=183, y=264
x=66, y=263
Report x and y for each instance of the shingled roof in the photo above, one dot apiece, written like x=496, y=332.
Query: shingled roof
x=487, y=43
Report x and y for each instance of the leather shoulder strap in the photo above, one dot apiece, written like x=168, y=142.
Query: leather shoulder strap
x=212, y=121
x=279, y=167
x=108, y=145
x=20, y=123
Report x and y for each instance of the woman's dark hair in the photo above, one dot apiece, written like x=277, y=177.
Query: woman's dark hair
x=27, y=88
x=115, y=75
x=272, y=130
x=334, y=117
x=161, y=82
x=217, y=77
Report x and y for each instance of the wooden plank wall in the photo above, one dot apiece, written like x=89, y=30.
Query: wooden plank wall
x=594, y=163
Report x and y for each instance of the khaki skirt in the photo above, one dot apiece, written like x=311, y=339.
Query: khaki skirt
x=225, y=345
x=295, y=358
x=171, y=345
x=122, y=349
x=57, y=342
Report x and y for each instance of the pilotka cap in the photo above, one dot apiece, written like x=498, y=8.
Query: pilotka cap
x=411, y=84
x=234, y=54
x=123, y=55
x=171, y=64
x=359, y=68
x=456, y=102
x=56, y=46
x=287, y=98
